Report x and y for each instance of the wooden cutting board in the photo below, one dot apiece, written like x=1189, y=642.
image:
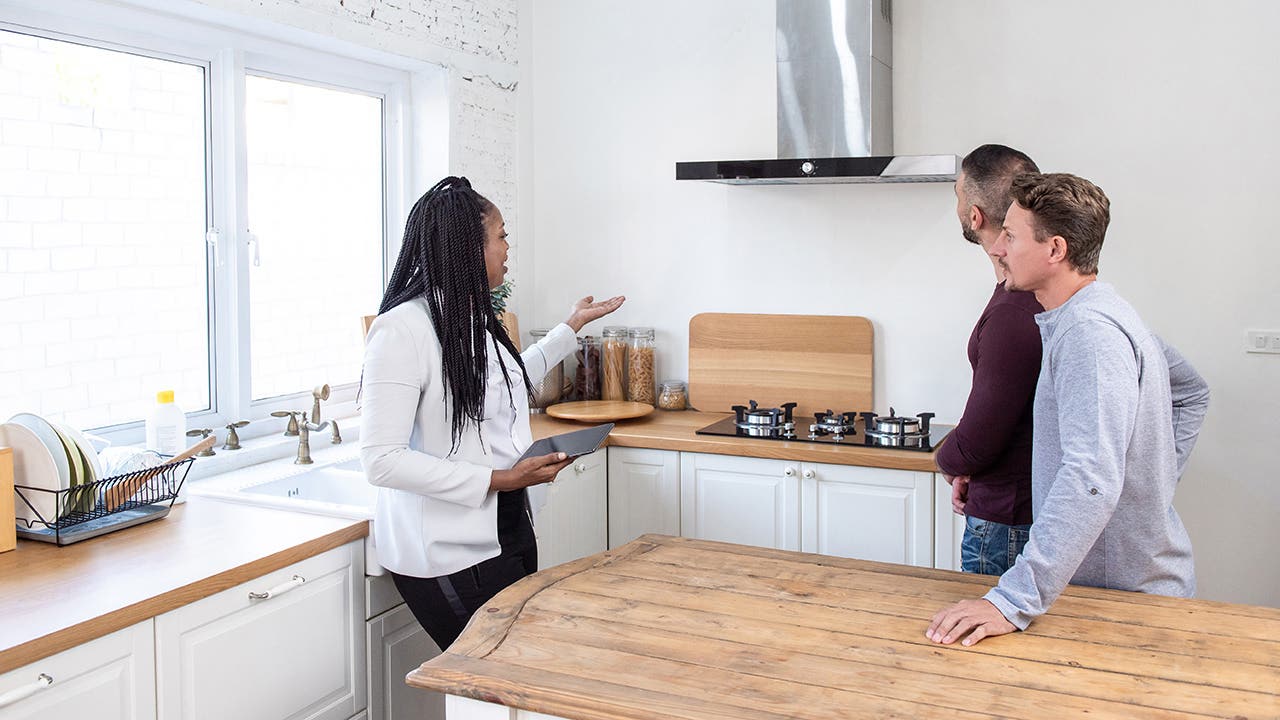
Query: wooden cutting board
x=819, y=362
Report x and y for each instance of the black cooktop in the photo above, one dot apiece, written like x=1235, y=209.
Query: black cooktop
x=730, y=427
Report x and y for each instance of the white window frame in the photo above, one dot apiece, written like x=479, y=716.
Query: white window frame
x=229, y=47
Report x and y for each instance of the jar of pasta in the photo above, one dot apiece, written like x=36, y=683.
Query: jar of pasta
x=640, y=365
x=673, y=395
x=614, y=350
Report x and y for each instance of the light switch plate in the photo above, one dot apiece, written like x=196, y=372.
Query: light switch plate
x=1262, y=341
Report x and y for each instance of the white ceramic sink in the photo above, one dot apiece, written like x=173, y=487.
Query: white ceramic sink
x=334, y=486
x=341, y=484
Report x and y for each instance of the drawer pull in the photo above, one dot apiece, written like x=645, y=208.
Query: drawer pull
x=809, y=474
x=280, y=589
x=42, y=681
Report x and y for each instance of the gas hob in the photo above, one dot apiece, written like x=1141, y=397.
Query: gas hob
x=862, y=429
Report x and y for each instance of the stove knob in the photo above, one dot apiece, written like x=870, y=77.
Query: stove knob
x=789, y=472
x=807, y=167
x=809, y=474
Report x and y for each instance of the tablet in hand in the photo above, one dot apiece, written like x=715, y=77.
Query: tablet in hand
x=572, y=444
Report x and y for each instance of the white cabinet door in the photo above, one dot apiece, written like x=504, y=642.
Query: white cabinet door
x=574, y=522
x=297, y=654
x=644, y=493
x=948, y=527
x=751, y=501
x=398, y=645
x=869, y=513
x=110, y=678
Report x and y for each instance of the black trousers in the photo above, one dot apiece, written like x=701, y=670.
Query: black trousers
x=443, y=605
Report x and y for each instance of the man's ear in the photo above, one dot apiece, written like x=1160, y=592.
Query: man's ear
x=976, y=218
x=1058, y=251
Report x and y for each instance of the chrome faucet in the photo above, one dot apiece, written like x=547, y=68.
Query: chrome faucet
x=305, y=428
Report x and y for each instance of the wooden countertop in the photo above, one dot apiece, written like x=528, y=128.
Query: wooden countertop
x=664, y=430
x=675, y=628
x=54, y=598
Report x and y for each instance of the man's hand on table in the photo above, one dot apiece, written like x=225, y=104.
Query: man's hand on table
x=977, y=619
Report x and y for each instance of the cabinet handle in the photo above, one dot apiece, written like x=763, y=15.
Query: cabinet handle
x=789, y=472
x=280, y=589
x=809, y=474
x=42, y=681
x=580, y=468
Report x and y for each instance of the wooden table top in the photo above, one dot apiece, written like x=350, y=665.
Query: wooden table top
x=54, y=598
x=668, y=430
x=675, y=628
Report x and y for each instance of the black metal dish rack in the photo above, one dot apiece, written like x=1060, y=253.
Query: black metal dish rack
x=81, y=512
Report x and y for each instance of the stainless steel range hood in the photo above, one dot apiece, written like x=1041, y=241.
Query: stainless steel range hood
x=835, y=103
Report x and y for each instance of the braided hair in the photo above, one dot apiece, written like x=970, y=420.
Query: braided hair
x=442, y=260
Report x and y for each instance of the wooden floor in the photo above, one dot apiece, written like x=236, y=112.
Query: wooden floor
x=677, y=628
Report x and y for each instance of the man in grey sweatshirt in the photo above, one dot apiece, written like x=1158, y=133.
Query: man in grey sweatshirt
x=1114, y=423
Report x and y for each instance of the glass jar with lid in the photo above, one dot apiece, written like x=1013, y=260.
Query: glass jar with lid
x=613, y=385
x=640, y=365
x=673, y=395
x=586, y=381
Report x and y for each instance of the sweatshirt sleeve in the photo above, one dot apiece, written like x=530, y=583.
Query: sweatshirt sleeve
x=395, y=375
x=1095, y=385
x=1004, y=381
x=1190, y=402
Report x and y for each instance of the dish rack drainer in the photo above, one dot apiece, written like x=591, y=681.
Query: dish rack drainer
x=92, y=509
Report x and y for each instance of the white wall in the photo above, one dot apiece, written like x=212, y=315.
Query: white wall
x=1170, y=108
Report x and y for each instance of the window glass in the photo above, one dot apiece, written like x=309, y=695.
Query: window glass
x=315, y=189
x=104, y=299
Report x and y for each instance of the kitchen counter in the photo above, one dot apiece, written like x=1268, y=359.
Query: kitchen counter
x=662, y=430
x=675, y=628
x=54, y=598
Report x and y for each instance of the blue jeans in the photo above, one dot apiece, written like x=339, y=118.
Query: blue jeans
x=990, y=548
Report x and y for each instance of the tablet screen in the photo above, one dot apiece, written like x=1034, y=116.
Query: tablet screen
x=572, y=444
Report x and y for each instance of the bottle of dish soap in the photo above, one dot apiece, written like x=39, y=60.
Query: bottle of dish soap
x=166, y=425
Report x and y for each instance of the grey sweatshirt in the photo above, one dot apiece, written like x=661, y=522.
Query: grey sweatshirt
x=1116, y=414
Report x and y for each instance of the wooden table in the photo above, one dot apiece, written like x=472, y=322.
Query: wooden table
x=675, y=628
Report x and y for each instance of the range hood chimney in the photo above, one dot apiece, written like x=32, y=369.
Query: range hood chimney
x=835, y=103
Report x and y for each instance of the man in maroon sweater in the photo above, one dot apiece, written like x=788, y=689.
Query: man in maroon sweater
x=987, y=458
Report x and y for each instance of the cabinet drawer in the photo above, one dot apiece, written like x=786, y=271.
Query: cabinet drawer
x=296, y=654
x=110, y=678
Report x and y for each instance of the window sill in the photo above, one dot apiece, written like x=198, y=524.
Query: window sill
x=275, y=447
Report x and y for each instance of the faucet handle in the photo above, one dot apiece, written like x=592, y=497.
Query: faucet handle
x=335, y=438
x=202, y=433
x=292, y=429
x=233, y=440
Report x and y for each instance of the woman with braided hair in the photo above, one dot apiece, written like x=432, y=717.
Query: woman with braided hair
x=445, y=406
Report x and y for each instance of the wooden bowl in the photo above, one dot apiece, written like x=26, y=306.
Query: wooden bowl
x=599, y=410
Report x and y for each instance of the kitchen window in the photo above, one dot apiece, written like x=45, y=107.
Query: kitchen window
x=188, y=207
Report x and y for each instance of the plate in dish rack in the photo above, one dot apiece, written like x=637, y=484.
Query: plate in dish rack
x=599, y=410
x=32, y=466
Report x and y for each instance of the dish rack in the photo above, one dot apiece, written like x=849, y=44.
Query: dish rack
x=95, y=508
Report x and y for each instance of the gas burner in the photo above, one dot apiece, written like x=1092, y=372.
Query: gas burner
x=890, y=432
x=765, y=422
x=896, y=431
x=835, y=424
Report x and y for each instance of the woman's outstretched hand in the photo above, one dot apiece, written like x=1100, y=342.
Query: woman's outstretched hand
x=530, y=471
x=586, y=310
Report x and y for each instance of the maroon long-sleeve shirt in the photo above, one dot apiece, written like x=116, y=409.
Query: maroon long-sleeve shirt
x=992, y=443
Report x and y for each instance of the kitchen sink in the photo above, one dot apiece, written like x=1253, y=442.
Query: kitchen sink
x=339, y=484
